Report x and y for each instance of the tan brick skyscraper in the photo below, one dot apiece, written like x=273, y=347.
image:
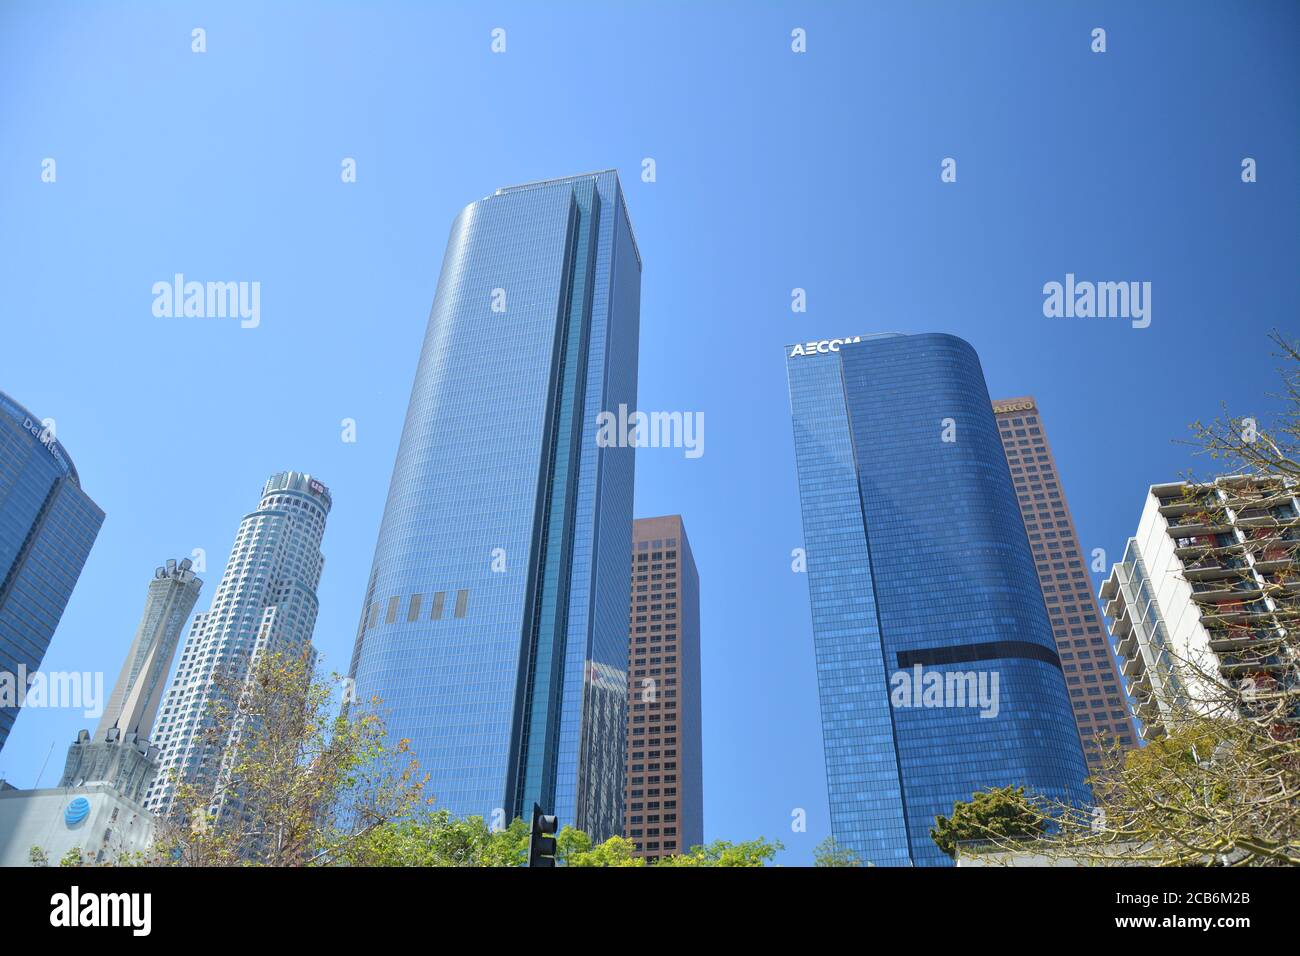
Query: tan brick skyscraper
x=1096, y=693
x=664, y=801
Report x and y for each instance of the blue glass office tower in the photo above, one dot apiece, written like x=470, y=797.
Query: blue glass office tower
x=494, y=624
x=917, y=557
x=47, y=527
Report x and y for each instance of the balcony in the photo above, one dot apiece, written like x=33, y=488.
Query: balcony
x=1134, y=668
x=1152, y=729
x=1283, y=582
x=1270, y=559
x=1112, y=606
x=1190, y=545
x=1286, y=607
x=1148, y=711
x=1200, y=522
x=1244, y=665
x=1228, y=612
x=1221, y=588
x=1181, y=504
x=1255, y=492
x=1273, y=539
x=1236, y=638
x=1214, y=566
x=1280, y=516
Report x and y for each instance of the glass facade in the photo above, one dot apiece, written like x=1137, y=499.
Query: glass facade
x=47, y=527
x=920, y=575
x=493, y=628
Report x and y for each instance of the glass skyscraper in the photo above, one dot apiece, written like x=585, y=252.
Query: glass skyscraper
x=495, y=616
x=47, y=527
x=920, y=576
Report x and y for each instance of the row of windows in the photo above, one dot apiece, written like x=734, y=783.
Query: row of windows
x=415, y=606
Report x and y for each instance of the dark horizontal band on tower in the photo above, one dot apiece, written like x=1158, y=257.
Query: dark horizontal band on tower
x=990, y=650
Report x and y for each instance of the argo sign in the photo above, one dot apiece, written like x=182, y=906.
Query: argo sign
x=1013, y=407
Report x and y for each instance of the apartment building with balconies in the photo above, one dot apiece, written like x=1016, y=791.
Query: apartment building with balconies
x=1205, y=596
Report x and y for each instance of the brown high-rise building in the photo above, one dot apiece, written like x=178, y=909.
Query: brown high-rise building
x=664, y=805
x=1096, y=694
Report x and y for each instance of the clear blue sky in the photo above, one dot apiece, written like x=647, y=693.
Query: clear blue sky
x=775, y=170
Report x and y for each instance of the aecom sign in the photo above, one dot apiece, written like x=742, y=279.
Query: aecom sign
x=824, y=346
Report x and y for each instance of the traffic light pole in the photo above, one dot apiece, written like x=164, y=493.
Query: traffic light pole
x=541, y=838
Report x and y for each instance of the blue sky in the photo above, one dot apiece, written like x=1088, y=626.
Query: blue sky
x=774, y=171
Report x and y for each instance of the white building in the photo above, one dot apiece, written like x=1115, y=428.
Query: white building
x=120, y=754
x=977, y=855
x=97, y=819
x=266, y=602
x=1203, y=593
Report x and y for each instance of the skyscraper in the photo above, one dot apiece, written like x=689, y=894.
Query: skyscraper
x=1096, y=694
x=119, y=753
x=47, y=527
x=266, y=603
x=937, y=672
x=494, y=622
x=1205, y=595
x=665, y=796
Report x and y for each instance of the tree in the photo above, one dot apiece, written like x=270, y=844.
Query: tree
x=830, y=853
x=1244, y=443
x=575, y=849
x=723, y=853
x=299, y=781
x=436, y=838
x=1219, y=783
x=990, y=815
x=1213, y=791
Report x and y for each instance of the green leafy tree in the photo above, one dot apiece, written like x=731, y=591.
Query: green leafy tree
x=723, y=853
x=436, y=838
x=990, y=815
x=73, y=857
x=571, y=842
x=616, y=851
x=830, y=853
